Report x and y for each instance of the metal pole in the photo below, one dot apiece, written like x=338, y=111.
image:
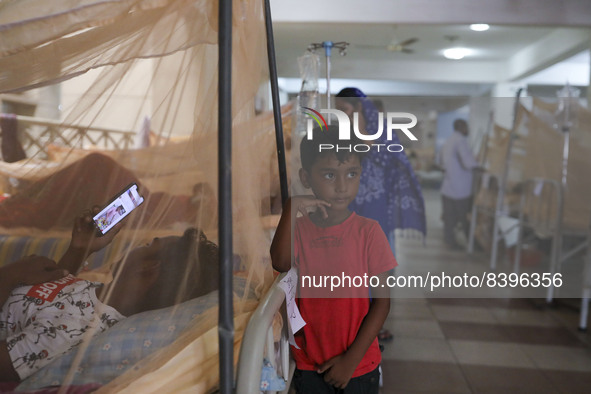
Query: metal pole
x=477, y=184
x=328, y=46
x=503, y=185
x=276, y=105
x=226, y=313
x=562, y=194
x=328, y=51
x=556, y=262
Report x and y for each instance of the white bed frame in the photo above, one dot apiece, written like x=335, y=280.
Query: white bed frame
x=258, y=342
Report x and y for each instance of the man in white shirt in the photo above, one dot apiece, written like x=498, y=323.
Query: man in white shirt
x=458, y=162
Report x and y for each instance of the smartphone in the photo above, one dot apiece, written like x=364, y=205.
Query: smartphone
x=119, y=207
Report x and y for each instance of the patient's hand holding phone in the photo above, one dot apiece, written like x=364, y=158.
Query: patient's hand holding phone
x=118, y=208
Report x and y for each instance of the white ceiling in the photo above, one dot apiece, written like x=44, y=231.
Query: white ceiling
x=507, y=53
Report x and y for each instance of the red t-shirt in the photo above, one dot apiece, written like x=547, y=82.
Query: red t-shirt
x=355, y=248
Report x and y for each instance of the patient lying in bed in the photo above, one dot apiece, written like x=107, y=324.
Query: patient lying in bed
x=46, y=311
x=54, y=201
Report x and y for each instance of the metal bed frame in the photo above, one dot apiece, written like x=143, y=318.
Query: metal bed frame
x=499, y=210
x=541, y=218
x=258, y=342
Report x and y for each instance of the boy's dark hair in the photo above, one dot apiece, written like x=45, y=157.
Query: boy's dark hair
x=310, y=149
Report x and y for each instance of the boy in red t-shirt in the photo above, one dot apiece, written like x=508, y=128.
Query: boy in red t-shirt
x=339, y=255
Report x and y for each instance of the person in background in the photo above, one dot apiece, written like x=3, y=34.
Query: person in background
x=379, y=104
x=458, y=162
x=389, y=191
x=54, y=201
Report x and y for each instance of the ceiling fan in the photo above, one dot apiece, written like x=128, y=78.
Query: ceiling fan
x=393, y=46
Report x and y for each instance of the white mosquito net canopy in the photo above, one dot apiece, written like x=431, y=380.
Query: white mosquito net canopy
x=105, y=93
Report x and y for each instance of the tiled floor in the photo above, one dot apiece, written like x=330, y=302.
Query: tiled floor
x=479, y=345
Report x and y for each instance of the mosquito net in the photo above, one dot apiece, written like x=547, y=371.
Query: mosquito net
x=544, y=145
x=556, y=152
x=100, y=94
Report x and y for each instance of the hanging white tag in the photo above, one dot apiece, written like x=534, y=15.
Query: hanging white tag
x=289, y=285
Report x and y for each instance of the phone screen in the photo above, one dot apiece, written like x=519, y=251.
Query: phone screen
x=119, y=208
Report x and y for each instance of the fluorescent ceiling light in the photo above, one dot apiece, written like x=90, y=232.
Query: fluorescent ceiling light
x=479, y=27
x=456, y=53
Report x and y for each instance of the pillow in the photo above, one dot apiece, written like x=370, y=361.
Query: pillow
x=114, y=351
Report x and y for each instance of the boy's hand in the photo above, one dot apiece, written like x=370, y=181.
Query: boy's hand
x=303, y=203
x=32, y=270
x=338, y=371
x=86, y=236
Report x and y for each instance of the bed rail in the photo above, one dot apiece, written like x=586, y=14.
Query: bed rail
x=483, y=181
x=36, y=133
x=541, y=219
x=586, y=293
x=539, y=197
x=258, y=343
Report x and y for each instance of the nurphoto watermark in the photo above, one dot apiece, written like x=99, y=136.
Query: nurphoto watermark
x=403, y=121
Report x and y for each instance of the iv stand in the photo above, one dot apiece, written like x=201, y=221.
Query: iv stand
x=328, y=46
x=566, y=98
